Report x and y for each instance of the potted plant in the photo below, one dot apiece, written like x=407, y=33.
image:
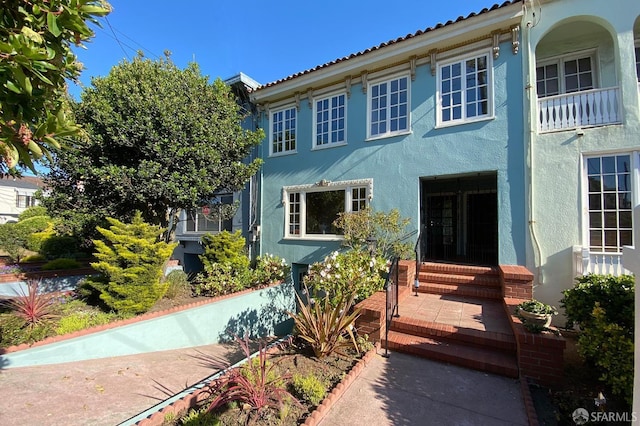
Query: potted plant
x=536, y=313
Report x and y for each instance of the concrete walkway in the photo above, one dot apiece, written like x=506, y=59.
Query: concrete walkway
x=400, y=390
x=404, y=390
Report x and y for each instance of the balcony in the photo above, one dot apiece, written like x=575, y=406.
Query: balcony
x=585, y=262
x=589, y=108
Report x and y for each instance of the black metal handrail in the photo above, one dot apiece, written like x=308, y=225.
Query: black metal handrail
x=418, y=252
x=391, y=290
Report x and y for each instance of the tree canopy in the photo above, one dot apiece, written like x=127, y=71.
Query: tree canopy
x=160, y=139
x=35, y=61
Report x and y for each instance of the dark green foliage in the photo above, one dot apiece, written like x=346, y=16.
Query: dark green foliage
x=130, y=261
x=225, y=248
x=13, y=240
x=58, y=246
x=603, y=306
x=61, y=263
x=160, y=139
x=615, y=295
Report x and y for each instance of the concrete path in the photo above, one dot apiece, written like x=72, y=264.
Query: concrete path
x=404, y=390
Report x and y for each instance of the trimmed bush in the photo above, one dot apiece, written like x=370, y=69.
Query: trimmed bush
x=33, y=211
x=61, y=263
x=225, y=248
x=59, y=246
x=130, y=261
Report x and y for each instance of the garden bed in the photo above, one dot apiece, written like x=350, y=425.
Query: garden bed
x=336, y=372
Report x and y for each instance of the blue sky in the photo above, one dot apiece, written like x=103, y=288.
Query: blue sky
x=265, y=40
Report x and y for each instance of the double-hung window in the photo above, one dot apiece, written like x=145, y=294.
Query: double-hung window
x=24, y=200
x=311, y=210
x=388, y=112
x=610, y=198
x=283, y=131
x=212, y=218
x=330, y=120
x=465, y=90
x=565, y=75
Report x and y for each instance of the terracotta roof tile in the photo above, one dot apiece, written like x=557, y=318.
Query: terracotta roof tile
x=389, y=43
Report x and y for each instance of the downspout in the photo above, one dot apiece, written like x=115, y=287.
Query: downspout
x=530, y=107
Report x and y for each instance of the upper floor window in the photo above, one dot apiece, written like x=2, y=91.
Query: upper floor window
x=388, y=107
x=23, y=200
x=330, y=114
x=565, y=75
x=465, y=90
x=610, y=181
x=283, y=131
x=212, y=218
x=638, y=60
x=313, y=209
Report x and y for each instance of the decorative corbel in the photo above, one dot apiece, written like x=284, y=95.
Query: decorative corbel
x=496, y=44
x=310, y=97
x=347, y=86
x=363, y=77
x=432, y=60
x=515, y=38
x=297, y=97
x=412, y=65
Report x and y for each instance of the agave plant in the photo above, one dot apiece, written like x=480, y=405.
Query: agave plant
x=33, y=306
x=324, y=324
x=256, y=384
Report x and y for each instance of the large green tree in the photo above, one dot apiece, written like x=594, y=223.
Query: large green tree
x=35, y=61
x=160, y=139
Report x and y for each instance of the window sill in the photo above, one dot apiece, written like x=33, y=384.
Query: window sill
x=328, y=146
x=313, y=238
x=462, y=122
x=283, y=154
x=387, y=135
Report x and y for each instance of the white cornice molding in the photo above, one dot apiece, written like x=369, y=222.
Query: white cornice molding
x=328, y=185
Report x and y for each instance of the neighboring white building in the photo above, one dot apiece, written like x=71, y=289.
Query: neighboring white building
x=16, y=195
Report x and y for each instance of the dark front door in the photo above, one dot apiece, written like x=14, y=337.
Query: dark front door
x=441, y=227
x=482, y=233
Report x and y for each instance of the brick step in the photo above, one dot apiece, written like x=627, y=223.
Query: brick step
x=466, y=336
x=455, y=269
x=483, y=359
x=483, y=292
x=450, y=278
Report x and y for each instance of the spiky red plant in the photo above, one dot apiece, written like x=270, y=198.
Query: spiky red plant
x=33, y=306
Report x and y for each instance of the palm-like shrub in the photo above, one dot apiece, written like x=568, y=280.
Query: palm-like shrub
x=33, y=306
x=325, y=326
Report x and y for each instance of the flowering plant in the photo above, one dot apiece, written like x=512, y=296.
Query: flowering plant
x=340, y=275
x=270, y=269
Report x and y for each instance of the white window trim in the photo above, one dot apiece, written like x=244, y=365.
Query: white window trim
x=315, y=101
x=271, y=113
x=185, y=234
x=560, y=59
x=490, y=90
x=320, y=187
x=388, y=134
x=635, y=193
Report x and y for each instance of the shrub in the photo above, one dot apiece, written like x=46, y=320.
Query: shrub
x=37, y=225
x=130, y=264
x=342, y=274
x=81, y=320
x=33, y=211
x=36, y=239
x=270, y=269
x=225, y=248
x=15, y=330
x=61, y=263
x=33, y=306
x=220, y=278
x=263, y=390
x=59, y=246
x=200, y=417
x=13, y=240
x=615, y=295
x=610, y=347
x=177, y=284
x=309, y=388
x=388, y=230
x=323, y=325
x=33, y=258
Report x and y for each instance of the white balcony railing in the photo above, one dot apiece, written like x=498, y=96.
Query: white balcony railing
x=589, y=108
x=585, y=263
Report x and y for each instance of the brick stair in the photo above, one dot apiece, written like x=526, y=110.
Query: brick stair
x=489, y=351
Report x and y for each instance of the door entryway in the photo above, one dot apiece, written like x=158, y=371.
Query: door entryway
x=459, y=219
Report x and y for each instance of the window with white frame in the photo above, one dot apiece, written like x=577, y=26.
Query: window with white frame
x=330, y=120
x=24, y=200
x=388, y=102
x=465, y=89
x=311, y=210
x=610, y=181
x=283, y=131
x=214, y=218
x=565, y=75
